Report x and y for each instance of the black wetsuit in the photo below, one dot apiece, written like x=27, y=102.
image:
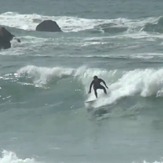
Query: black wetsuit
x=96, y=85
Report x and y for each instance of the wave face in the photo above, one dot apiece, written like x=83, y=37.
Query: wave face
x=45, y=111
x=141, y=82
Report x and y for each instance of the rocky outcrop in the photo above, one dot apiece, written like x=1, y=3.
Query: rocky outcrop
x=154, y=27
x=5, y=38
x=48, y=26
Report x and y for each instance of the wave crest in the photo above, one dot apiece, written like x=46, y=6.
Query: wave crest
x=43, y=75
x=11, y=157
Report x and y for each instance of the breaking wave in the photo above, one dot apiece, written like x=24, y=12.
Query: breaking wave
x=11, y=157
x=142, y=82
x=75, y=24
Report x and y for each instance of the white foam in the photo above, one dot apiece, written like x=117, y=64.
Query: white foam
x=11, y=157
x=71, y=24
x=143, y=82
x=21, y=21
x=42, y=75
x=149, y=162
x=146, y=55
x=30, y=21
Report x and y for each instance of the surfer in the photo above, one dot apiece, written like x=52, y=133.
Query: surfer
x=96, y=85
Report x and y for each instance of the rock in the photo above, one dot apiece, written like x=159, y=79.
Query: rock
x=48, y=26
x=5, y=38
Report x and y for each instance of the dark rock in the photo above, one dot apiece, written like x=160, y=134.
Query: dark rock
x=48, y=26
x=5, y=38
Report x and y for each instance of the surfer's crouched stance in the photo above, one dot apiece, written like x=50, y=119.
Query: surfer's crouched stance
x=96, y=85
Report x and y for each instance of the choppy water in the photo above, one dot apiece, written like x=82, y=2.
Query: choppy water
x=44, y=82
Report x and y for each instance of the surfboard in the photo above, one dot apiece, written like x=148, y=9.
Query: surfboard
x=90, y=101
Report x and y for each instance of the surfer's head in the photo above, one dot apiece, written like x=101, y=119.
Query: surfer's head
x=95, y=77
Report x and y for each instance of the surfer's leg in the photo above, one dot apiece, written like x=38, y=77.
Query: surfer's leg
x=95, y=90
x=104, y=89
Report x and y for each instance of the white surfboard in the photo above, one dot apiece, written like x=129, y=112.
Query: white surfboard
x=90, y=101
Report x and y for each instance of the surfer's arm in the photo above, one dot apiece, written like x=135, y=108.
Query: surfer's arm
x=104, y=83
x=90, y=87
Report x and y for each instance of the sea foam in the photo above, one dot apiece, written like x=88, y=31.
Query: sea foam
x=73, y=24
x=141, y=82
x=11, y=157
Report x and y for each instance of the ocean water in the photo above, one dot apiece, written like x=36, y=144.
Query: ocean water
x=44, y=82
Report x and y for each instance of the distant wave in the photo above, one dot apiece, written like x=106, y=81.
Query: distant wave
x=156, y=26
x=75, y=24
x=145, y=56
x=11, y=157
x=110, y=28
x=148, y=161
